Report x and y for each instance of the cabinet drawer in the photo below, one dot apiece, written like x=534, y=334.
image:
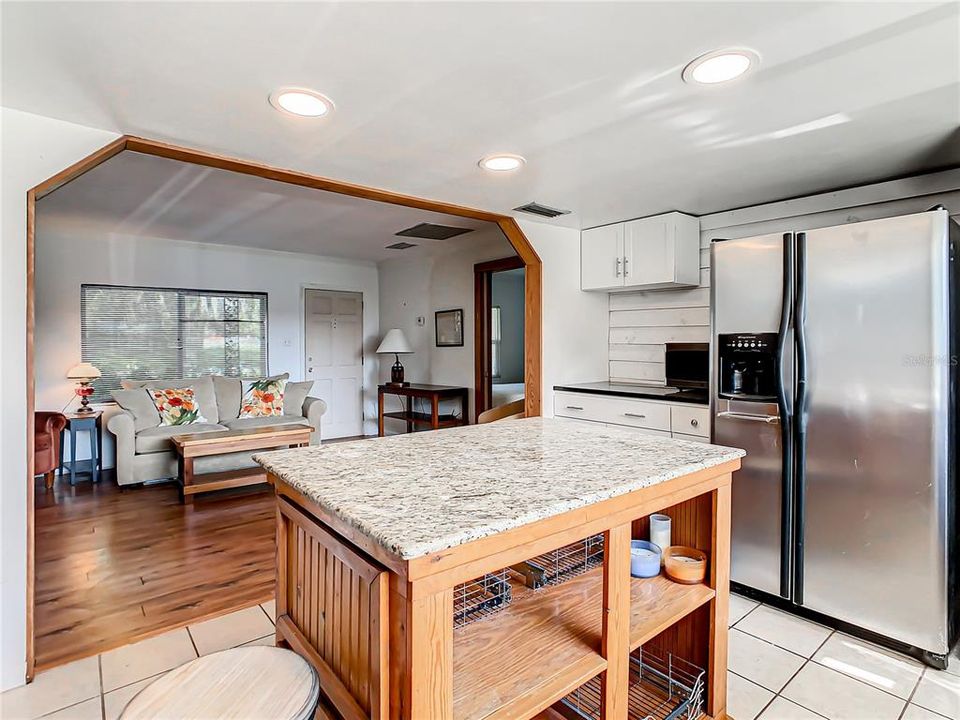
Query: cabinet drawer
x=691, y=438
x=690, y=420
x=638, y=413
x=580, y=406
x=612, y=410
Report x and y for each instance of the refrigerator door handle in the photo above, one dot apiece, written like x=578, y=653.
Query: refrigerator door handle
x=800, y=417
x=785, y=404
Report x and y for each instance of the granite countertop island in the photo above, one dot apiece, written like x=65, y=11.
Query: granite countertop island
x=420, y=493
x=398, y=558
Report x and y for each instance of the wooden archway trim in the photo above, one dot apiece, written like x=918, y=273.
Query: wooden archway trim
x=509, y=227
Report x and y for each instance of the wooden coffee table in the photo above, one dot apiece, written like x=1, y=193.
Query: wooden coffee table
x=220, y=442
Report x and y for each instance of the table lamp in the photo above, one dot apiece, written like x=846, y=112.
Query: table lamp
x=395, y=343
x=84, y=374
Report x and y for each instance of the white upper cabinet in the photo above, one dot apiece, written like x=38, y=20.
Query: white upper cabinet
x=601, y=258
x=662, y=251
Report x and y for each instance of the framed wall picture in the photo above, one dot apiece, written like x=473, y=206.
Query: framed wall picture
x=449, y=327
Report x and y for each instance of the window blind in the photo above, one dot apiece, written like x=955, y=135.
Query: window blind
x=139, y=333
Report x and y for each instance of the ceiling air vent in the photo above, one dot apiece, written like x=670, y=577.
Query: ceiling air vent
x=401, y=246
x=536, y=208
x=429, y=231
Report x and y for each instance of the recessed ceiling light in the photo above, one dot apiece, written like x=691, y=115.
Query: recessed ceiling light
x=301, y=102
x=720, y=66
x=502, y=162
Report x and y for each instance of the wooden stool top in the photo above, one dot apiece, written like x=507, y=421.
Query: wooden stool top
x=245, y=683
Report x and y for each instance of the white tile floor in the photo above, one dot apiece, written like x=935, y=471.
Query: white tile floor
x=785, y=668
x=98, y=688
x=781, y=668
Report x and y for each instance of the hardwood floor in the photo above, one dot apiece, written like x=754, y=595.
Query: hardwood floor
x=116, y=566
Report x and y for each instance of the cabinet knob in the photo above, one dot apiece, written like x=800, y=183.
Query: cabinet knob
x=694, y=422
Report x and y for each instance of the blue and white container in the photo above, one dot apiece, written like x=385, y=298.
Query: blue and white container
x=644, y=558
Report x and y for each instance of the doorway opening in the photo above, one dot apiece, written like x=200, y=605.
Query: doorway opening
x=500, y=287
x=208, y=258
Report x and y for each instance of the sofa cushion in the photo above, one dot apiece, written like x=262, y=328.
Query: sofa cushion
x=138, y=403
x=268, y=421
x=228, y=391
x=294, y=395
x=203, y=389
x=157, y=439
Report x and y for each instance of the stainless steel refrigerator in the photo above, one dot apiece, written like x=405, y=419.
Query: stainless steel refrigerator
x=834, y=365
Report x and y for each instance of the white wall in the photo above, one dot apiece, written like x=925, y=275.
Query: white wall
x=574, y=332
x=70, y=254
x=507, y=292
x=419, y=286
x=33, y=148
x=641, y=322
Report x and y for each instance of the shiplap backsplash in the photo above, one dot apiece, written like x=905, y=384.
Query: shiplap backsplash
x=641, y=323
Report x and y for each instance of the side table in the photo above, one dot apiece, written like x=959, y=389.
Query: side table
x=434, y=394
x=91, y=422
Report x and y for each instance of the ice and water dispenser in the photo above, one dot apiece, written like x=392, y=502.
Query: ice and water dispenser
x=748, y=366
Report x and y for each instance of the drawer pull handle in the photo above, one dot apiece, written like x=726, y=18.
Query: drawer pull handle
x=694, y=422
x=634, y=415
x=574, y=407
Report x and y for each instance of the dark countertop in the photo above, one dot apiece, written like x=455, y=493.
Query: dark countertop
x=648, y=392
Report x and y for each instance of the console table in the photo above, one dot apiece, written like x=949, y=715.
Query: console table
x=413, y=418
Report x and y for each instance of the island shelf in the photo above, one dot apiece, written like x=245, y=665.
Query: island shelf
x=554, y=639
x=368, y=598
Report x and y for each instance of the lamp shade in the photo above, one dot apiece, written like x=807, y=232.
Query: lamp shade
x=394, y=342
x=83, y=371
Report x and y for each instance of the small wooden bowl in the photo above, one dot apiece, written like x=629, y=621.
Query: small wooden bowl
x=685, y=565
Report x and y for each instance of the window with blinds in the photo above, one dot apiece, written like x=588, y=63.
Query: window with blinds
x=137, y=333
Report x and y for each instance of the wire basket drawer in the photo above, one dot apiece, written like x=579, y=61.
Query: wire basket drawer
x=554, y=567
x=661, y=688
x=481, y=598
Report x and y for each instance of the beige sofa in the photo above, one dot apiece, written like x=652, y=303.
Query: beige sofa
x=144, y=450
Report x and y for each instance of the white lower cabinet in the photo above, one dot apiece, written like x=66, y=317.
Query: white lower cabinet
x=650, y=417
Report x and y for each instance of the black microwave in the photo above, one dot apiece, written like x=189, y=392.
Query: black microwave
x=688, y=365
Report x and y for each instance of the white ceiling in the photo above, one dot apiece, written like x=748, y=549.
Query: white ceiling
x=143, y=195
x=590, y=93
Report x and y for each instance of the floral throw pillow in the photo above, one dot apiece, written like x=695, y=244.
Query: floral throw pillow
x=177, y=406
x=263, y=398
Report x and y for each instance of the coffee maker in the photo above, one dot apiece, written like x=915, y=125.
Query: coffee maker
x=748, y=366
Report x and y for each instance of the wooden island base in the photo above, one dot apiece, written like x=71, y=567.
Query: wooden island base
x=380, y=632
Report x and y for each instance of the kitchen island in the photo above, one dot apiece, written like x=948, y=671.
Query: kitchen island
x=380, y=540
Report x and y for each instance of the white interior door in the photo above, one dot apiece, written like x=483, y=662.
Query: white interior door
x=334, y=358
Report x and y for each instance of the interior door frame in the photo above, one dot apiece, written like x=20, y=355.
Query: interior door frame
x=482, y=301
x=508, y=226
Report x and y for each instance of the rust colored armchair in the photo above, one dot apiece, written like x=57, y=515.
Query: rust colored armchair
x=46, y=443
